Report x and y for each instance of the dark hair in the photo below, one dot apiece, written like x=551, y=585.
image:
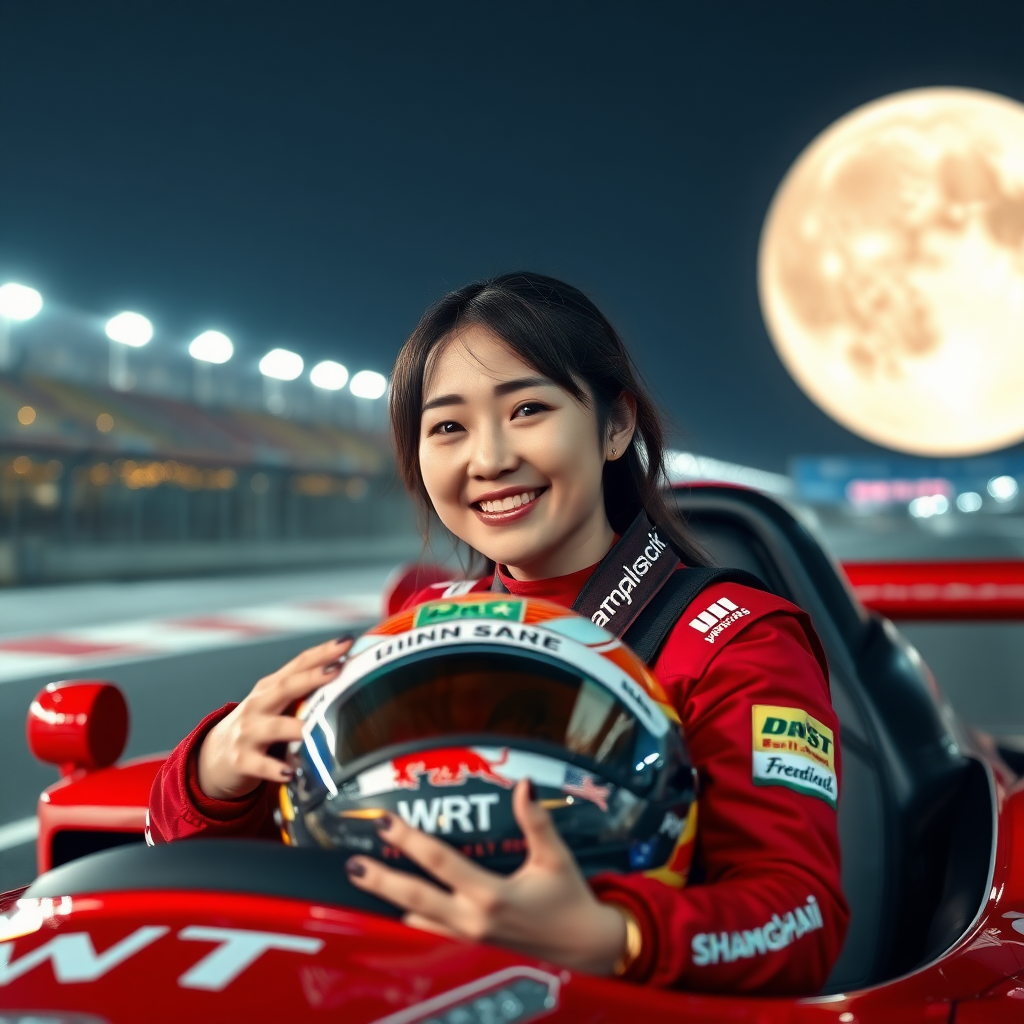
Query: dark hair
x=557, y=330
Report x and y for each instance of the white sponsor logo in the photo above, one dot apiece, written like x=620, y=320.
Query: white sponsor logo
x=623, y=593
x=456, y=589
x=779, y=932
x=442, y=813
x=74, y=959
x=717, y=618
x=796, y=771
x=672, y=825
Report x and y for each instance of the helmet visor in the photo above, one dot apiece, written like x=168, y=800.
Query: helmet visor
x=490, y=695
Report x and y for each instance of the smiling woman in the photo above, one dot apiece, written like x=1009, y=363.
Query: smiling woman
x=515, y=405
x=519, y=420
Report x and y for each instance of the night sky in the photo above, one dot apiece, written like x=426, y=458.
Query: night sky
x=314, y=174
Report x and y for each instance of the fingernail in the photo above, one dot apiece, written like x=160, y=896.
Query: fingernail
x=355, y=869
x=287, y=773
x=332, y=668
x=346, y=639
x=383, y=823
x=531, y=790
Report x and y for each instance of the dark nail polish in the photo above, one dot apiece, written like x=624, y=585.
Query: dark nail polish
x=332, y=668
x=287, y=773
x=383, y=823
x=355, y=869
x=531, y=790
x=347, y=638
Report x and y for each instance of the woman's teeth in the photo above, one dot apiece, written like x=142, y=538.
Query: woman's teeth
x=512, y=501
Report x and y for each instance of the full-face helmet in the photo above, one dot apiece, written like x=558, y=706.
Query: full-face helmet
x=441, y=709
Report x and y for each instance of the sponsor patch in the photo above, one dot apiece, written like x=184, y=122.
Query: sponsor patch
x=503, y=609
x=793, y=749
x=717, y=618
x=781, y=931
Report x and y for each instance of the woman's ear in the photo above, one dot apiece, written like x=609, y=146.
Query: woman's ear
x=621, y=426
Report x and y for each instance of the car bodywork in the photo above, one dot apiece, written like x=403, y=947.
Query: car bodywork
x=932, y=826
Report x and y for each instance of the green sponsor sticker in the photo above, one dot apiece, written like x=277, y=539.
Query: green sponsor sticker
x=503, y=609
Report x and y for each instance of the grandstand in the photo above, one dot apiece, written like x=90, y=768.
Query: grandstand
x=98, y=482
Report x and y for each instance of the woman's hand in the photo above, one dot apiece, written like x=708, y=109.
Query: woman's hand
x=233, y=759
x=545, y=909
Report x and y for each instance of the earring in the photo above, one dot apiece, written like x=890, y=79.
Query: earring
x=615, y=451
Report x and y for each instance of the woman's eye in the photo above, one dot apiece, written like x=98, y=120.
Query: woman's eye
x=448, y=427
x=530, y=409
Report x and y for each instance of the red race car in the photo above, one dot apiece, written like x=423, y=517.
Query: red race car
x=931, y=822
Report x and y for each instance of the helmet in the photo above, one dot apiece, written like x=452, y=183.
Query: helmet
x=441, y=709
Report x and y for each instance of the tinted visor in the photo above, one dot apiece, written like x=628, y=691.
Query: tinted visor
x=491, y=694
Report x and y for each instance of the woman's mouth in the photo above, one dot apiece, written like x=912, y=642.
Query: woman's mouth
x=507, y=507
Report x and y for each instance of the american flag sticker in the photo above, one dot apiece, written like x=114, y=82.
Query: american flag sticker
x=581, y=784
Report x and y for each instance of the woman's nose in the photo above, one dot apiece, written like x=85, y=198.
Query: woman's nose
x=491, y=455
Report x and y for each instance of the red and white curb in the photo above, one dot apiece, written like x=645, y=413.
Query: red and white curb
x=75, y=650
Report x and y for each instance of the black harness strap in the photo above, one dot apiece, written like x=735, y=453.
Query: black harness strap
x=649, y=632
x=637, y=592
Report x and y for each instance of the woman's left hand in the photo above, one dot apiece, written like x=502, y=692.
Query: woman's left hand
x=545, y=909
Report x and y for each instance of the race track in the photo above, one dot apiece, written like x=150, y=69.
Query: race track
x=193, y=671
x=180, y=648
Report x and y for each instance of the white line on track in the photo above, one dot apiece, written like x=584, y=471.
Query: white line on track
x=70, y=650
x=18, y=833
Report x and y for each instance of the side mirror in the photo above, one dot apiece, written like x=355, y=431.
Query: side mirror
x=78, y=724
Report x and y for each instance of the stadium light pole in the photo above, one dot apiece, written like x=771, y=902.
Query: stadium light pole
x=18, y=302
x=126, y=330
x=368, y=385
x=209, y=349
x=278, y=365
x=327, y=378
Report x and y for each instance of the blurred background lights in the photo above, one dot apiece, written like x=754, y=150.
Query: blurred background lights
x=928, y=506
x=1003, y=488
x=329, y=375
x=969, y=501
x=19, y=302
x=26, y=415
x=129, y=329
x=368, y=384
x=211, y=347
x=281, y=364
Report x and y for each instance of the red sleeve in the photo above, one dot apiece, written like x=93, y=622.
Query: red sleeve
x=769, y=915
x=178, y=809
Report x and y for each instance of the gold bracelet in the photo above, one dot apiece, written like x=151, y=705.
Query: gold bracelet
x=634, y=942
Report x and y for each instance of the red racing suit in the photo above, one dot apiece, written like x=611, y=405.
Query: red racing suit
x=764, y=912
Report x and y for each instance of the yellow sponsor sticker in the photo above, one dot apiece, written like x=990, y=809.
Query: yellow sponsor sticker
x=793, y=749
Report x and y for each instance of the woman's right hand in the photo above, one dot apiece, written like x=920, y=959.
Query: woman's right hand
x=233, y=758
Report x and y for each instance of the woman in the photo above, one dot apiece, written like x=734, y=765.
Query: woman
x=519, y=421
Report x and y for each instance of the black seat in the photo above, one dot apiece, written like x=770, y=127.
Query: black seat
x=907, y=769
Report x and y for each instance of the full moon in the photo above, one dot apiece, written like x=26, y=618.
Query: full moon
x=891, y=271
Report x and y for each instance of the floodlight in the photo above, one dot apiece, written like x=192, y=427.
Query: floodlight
x=281, y=364
x=329, y=375
x=368, y=384
x=19, y=302
x=129, y=329
x=211, y=347
x=1003, y=488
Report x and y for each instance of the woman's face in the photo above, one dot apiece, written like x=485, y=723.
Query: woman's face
x=511, y=462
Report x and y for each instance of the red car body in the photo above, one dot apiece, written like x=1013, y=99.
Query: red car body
x=147, y=940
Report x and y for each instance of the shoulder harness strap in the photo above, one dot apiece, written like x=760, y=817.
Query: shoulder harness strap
x=650, y=630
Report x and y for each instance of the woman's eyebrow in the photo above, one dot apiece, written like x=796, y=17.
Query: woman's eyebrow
x=505, y=388
x=436, y=403
x=520, y=383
